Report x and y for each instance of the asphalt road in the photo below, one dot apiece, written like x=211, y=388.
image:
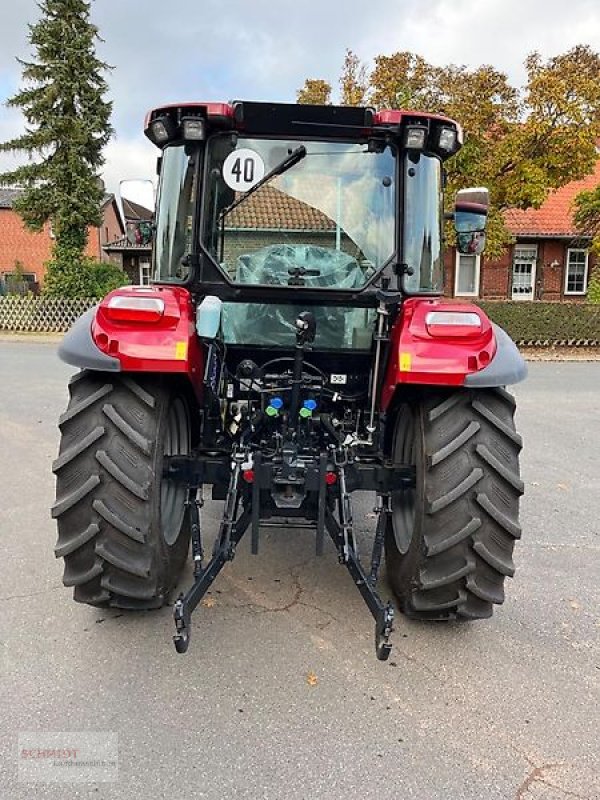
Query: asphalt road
x=505, y=708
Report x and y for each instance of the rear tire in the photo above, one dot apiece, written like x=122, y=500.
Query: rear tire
x=123, y=531
x=449, y=541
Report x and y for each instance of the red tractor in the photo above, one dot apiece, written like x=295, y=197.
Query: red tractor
x=294, y=348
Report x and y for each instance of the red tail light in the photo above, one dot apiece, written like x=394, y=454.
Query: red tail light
x=126, y=308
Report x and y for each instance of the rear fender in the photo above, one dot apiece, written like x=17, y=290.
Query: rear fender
x=477, y=355
x=128, y=342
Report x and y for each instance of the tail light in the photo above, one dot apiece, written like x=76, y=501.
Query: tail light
x=128, y=308
x=453, y=323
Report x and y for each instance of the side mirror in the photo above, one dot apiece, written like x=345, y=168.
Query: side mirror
x=470, y=220
x=137, y=203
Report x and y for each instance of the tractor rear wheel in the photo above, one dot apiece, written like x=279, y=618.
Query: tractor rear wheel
x=449, y=541
x=123, y=530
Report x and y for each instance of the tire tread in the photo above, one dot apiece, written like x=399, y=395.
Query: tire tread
x=468, y=524
x=107, y=503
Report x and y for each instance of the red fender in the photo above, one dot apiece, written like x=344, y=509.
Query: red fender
x=424, y=350
x=150, y=329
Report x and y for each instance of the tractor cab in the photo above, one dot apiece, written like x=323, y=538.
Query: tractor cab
x=331, y=203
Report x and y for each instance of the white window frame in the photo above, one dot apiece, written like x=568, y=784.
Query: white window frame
x=477, y=275
x=144, y=262
x=585, y=271
x=531, y=258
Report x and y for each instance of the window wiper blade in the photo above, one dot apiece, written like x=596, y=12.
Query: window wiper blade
x=288, y=162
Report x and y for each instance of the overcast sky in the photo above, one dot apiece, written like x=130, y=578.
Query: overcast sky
x=263, y=50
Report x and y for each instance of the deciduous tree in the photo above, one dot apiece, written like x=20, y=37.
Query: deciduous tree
x=314, y=92
x=521, y=142
x=587, y=216
x=587, y=219
x=354, y=81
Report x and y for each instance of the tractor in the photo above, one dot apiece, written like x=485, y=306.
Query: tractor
x=294, y=347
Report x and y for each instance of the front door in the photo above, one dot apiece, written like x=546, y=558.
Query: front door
x=523, y=272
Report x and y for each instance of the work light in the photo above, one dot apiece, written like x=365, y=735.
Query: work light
x=414, y=137
x=162, y=130
x=193, y=129
x=447, y=139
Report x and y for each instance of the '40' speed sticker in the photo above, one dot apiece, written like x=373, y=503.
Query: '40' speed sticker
x=242, y=169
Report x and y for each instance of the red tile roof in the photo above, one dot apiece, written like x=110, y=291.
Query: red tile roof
x=135, y=211
x=555, y=216
x=272, y=209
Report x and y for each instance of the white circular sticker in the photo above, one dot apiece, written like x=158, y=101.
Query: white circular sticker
x=242, y=169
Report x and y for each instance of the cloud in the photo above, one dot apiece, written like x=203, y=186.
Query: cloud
x=497, y=32
x=225, y=49
x=129, y=159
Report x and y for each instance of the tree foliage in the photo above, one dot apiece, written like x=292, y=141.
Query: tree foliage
x=67, y=127
x=314, y=92
x=354, y=81
x=587, y=219
x=587, y=216
x=90, y=279
x=521, y=142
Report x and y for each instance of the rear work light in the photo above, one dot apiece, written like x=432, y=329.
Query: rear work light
x=414, y=137
x=193, y=129
x=162, y=130
x=135, y=309
x=448, y=140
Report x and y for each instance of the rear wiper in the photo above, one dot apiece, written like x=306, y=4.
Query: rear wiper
x=288, y=162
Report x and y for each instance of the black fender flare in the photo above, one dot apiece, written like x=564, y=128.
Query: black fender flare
x=507, y=366
x=79, y=349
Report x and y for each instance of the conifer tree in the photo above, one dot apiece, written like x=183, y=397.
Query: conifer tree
x=67, y=127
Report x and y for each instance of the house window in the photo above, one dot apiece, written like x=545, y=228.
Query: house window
x=466, y=282
x=18, y=284
x=523, y=271
x=28, y=277
x=576, y=272
x=145, y=271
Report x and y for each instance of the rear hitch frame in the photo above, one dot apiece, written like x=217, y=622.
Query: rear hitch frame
x=236, y=522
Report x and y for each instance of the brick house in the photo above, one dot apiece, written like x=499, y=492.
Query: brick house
x=32, y=250
x=133, y=251
x=135, y=259
x=272, y=211
x=548, y=261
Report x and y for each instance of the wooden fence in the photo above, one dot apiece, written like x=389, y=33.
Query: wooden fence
x=40, y=314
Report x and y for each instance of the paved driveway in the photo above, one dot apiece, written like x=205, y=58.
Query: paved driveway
x=506, y=708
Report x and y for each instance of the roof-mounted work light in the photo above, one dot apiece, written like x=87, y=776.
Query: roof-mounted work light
x=447, y=139
x=161, y=130
x=193, y=128
x=415, y=136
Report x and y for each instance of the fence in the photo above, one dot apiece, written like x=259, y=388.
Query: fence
x=40, y=314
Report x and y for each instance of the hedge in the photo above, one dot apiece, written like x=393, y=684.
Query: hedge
x=547, y=324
